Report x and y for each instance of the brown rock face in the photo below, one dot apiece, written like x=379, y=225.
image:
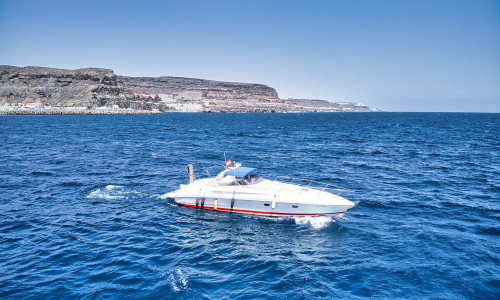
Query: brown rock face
x=83, y=87
x=200, y=89
x=101, y=87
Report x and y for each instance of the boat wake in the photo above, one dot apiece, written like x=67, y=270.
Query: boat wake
x=111, y=192
x=165, y=196
x=316, y=222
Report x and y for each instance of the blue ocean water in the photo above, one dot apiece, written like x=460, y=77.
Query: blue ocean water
x=82, y=213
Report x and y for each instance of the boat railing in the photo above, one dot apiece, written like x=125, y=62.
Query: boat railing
x=284, y=183
x=300, y=184
x=206, y=170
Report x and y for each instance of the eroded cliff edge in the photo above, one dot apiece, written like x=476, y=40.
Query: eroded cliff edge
x=40, y=89
x=89, y=88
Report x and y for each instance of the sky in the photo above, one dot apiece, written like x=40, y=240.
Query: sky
x=400, y=55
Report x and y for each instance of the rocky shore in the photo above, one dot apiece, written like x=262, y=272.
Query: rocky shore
x=28, y=111
x=38, y=90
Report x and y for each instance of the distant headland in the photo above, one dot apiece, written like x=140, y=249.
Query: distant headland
x=40, y=90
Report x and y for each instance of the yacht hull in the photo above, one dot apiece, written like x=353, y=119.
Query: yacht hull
x=259, y=207
x=241, y=190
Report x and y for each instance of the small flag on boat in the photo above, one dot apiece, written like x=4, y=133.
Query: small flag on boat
x=228, y=162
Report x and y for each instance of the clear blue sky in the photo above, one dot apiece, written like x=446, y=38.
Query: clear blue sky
x=399, y=55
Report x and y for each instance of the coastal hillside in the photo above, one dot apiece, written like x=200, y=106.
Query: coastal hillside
x=49, y=87
x=94, y=90
x=179, y=88
x=325, y=106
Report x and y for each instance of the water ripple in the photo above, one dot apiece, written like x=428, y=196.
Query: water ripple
x=82, y=213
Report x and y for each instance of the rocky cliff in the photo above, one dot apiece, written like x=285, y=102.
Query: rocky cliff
x=93, y=88
x=84, y=87
x=179, y=88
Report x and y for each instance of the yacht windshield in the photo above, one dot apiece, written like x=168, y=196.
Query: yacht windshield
x=247, y=180
x=251, y=179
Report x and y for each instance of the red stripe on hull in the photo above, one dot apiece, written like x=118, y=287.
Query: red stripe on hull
x=258, y=212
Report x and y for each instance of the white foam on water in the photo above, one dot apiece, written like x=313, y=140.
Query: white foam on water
x=178, y=280
x=341, y=216
x=113, y=187
x=164, y=196
x=108, y=192
x=316, y=222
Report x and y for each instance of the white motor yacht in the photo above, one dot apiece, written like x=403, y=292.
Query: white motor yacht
x=241, y=190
